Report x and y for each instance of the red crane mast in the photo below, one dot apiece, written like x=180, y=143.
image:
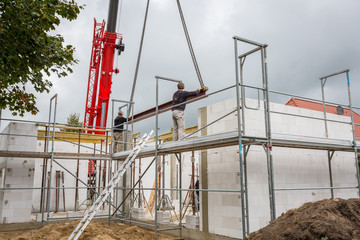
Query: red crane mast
x=102, y=55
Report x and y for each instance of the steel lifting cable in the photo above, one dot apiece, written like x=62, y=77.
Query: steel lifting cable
x=190, y=46
x=139, y=55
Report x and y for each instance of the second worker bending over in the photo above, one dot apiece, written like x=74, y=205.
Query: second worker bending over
x=180, y=96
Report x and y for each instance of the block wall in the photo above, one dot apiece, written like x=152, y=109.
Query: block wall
x=149, y=177
x=16, y=205
x=69, y=180
x=298, y=168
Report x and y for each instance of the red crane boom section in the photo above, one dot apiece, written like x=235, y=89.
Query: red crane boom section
x=97, y=100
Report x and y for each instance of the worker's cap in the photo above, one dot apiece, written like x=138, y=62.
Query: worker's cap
x=181, y=85
x=120, y=113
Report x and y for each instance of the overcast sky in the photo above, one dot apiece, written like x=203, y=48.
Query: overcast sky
x=306, y=40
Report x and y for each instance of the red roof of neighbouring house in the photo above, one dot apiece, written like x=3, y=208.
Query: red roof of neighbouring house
x=301, y=103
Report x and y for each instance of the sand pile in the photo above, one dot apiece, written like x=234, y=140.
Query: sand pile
x=323, y=220
x=94, y=230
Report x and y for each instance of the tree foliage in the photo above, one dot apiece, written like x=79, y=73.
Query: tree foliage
x=73, y=121
x=29, y=53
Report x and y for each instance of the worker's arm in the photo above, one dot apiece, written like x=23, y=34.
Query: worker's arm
x=192, y=93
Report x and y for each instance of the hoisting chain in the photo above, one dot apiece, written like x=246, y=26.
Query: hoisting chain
x=190, y=47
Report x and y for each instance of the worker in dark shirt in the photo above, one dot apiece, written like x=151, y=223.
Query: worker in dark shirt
x=118, y=132
x=197, y=195
x=179, y=97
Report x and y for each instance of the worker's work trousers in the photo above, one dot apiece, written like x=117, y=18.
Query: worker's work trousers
x=178, y=125
x=118, y=142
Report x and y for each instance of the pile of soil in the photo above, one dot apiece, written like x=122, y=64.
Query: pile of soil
x=323, y=220
x=94, y=230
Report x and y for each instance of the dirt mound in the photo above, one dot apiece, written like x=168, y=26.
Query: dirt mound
x=323, y=220
x=94, y=230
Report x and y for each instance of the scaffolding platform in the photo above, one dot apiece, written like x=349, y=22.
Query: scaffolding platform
x=232, y=139
x=203, y=143
x=57, y=155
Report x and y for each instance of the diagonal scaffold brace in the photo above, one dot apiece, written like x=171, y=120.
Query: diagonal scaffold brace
x=109, y=188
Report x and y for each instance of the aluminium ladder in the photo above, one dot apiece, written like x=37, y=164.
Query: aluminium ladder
x=109, y=188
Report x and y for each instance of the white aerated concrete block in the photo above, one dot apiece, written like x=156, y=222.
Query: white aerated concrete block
x=20, y=219
x=192, y=222
x=228, y=178
x=138, y=213
x=231, y=222
x=163, y=217
x=25, y=212
x=215, y=221
x=14, y=180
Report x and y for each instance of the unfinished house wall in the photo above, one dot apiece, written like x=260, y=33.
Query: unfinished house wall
x=69, y=180
x=3, y=146
x=16, y=205
x=292, y=167
x=171, y=171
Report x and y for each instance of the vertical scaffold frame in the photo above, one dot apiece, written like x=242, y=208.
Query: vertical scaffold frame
x=239, y=61
x=323, y=82
x=129, y=107
x=178, y=156
x=54, y=98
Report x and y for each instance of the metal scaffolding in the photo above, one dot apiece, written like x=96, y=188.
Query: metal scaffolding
x=238, y=138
